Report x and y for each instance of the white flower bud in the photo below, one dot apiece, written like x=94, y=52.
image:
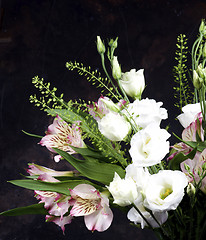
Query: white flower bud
x=100, y=46
x=191, y=190
x=201, y=71
x=116, y=69
x=133, y=83
x=110, y=105
x=197, y=81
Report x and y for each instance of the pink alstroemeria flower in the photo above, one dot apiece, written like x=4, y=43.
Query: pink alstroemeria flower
x=93, y=205
x=60, y=135
x=56, y=204
x=59, y=221
x=35, y=169
x=196, y=168
x=104, y=106
x=98, y=109
x=189, y=134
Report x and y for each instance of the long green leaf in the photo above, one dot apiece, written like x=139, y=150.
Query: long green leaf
x=32, y=209
x=200, y=146
x=59, y=187
x=89, y=152
x=92, y=168
x=174, y=163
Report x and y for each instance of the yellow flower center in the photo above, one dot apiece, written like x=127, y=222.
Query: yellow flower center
x=165, y=193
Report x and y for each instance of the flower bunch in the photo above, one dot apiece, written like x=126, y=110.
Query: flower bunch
x=118, y=150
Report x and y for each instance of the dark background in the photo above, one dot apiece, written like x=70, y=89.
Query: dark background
x=37, y=37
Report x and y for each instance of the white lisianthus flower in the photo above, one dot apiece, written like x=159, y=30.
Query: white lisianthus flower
x=114, y=126
x=149, y=146
x=189, y=115
x=135, y=217
x=133, y=83
x=124, y=191
x=165, y=190
x=139, y=175
x=145, y=112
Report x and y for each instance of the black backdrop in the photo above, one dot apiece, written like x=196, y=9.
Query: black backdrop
x=37, y=37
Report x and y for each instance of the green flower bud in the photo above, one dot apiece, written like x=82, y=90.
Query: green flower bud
x=197, y=81
x=110, y=105
x=113, y=43
x=204, y=166
x=187, y=167
x=200, y=71
x=116, y=69
x=100, y=46
x=204, y=51
x=191, y=190
x=202, y=28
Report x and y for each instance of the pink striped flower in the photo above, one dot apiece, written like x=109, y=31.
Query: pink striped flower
x=59, y=221
x=104, y=106
x=98, y=109
x=35, y=169
x=189, y=134
x=93, y=205
x=60, y=135
x=196, y=169
x=55, y=203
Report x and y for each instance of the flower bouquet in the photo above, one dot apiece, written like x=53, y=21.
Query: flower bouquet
x=118, y=151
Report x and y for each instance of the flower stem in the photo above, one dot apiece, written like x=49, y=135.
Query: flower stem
x=137, y=209
x=163, y=230
x=105, y=70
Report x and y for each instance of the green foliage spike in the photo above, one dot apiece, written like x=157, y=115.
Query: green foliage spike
x=49, y=99
x=95, y=78
x=183, y=94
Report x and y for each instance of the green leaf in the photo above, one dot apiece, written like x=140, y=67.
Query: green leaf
x=32, y=209
x=174, y=163
x=200, y=146
x=92, y=168
x=31, y=134
x=59, y=187
x=90, y=152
